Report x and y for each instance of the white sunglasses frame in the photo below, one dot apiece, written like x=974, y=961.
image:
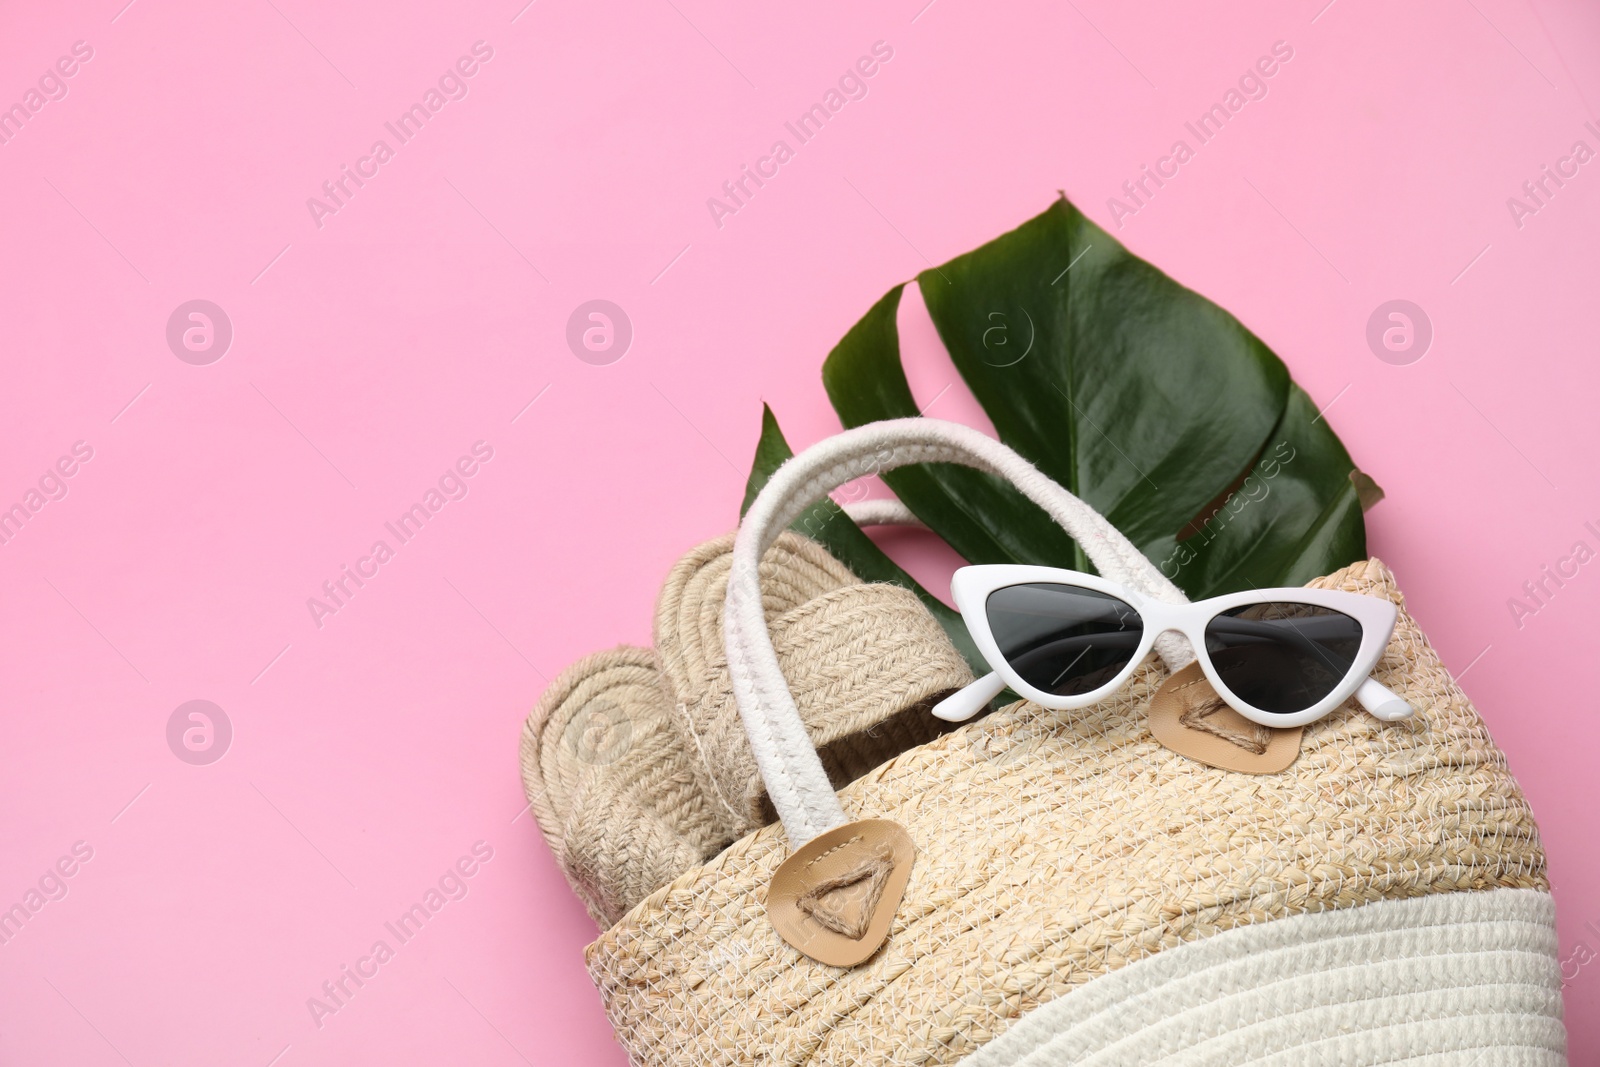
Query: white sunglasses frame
x=971, y=586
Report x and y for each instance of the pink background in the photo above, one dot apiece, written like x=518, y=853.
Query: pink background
x=371, y=753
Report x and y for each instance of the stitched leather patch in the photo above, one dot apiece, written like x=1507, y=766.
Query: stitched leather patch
x=835, y=898
x=1187, y=716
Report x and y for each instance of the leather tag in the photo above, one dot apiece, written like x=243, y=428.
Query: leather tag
x=835, y=898
x=1187, y=716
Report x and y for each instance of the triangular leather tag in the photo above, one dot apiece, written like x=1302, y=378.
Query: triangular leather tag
x=1187, y=716
x=836, y=897
x=846, y=904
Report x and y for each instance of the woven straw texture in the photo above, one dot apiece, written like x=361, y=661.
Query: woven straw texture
x=610, y=784
x=635, y=761
x=1056, y=847
x=863, y=661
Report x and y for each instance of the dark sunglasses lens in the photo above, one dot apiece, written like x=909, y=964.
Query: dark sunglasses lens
x=1282, y=657
x=1062, y=639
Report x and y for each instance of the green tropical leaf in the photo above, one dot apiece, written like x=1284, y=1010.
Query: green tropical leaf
x=1139, y=395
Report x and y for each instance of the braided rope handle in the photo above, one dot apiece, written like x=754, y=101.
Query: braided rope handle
x=794, y=776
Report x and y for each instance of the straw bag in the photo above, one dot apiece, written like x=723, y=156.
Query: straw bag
x=1051, y=888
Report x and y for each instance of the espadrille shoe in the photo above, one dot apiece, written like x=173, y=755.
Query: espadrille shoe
x=635, y=761
x=609, y=781
x=865, y=661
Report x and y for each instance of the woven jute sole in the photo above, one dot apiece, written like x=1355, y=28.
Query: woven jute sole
x=1053, y=848
x=863, y=662
x=610, y=784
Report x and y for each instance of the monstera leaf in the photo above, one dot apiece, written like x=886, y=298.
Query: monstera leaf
x=1141, y=396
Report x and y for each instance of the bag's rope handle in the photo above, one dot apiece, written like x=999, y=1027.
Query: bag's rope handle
x=794, y=776
x=882, y=511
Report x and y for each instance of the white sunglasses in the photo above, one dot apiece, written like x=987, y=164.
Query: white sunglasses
x=1064, y=639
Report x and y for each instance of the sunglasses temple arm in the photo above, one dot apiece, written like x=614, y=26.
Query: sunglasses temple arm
x=963, y=704
x=1381, y=701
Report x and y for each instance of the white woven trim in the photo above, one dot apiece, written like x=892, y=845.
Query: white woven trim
x=794, y=776
x=1466, y=979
